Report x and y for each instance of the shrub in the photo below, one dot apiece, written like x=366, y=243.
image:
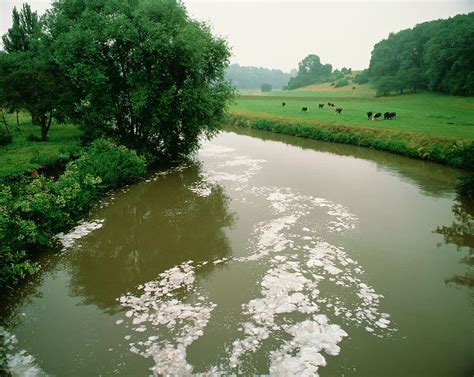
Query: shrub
x=340, y=83
x=115, y=165
x=34, y=209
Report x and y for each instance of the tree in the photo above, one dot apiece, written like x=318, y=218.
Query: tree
x=436, y=55
x=29, y=77
x=266, y=87
x=310, y=71
x=143, y=72
x=24, y=25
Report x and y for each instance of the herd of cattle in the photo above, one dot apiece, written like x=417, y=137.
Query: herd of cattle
x=370, y=115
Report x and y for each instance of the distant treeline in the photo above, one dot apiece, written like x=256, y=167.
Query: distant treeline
x=253, y=77
x=436, y=56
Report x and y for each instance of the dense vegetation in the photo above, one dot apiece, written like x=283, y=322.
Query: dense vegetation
x=140, y=73
x=436, y=56
x=312, y=71
x=253, y=77
x=33, y=209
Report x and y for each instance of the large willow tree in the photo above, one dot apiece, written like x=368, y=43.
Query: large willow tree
x=143, y=72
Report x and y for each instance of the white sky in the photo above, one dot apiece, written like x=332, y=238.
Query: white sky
x=279, y=34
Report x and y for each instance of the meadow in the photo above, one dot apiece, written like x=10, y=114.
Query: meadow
x=428, y=114
x=25, y=155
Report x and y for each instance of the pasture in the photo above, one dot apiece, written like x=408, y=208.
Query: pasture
x=428, y=114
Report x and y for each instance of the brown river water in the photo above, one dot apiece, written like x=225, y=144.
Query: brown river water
x=267, y=254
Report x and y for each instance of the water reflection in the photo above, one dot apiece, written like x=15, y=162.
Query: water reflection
x=461, y=234
x=432, y=179
x=148, y=231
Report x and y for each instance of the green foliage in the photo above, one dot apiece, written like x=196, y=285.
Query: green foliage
x=341, y=83
x=144, y=73
x=362, y=78
x=266, y=87
x=33, y=209
x=436, y=55
x=310, y=71
x=24, y=26
x=115, y=165
x=250, y=77
x=29, y=76
x=442, y=150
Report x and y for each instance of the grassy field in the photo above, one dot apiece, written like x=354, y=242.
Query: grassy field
x=23, y=155
x=427, y=114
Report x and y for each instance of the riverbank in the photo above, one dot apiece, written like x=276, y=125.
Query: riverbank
x=35, y=208
x=23, y=154
x=448, y=151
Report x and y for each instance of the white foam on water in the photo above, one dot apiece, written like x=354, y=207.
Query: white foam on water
x=18, y=361
x=161, y=309
x=81, y=230
x=308, y=284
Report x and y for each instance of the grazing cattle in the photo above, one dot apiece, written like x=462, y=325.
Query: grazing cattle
x=321, y=105
x=392, y=115
x=376, y=116
x=331, y=104
x=369, y=115
x=386, y=115
x=283, y=104
x=338, y=110
x=304, y=109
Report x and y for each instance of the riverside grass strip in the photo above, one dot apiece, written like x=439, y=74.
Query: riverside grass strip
x=449, y=151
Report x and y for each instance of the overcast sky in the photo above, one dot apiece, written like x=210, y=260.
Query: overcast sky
x=278, y=34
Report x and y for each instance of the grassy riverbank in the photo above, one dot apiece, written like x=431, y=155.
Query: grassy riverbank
x=33, y=207
x=23, y=155
x=428, y=126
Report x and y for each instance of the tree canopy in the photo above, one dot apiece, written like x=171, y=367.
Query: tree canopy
x=310, y=71
x=143, y=71
x=436, y=55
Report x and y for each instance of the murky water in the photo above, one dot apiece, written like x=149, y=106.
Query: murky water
x=269, y=254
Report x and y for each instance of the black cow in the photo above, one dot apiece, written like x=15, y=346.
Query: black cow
x=386, y=115
x=338, y=110
x=331, y=104
x=283, y=104
x=376, y=116
x=369, y=115
x=304, y=109
x=393, y=115
x=321, y=105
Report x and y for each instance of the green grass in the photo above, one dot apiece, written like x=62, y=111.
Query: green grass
x=23, y=155
x=425, y=114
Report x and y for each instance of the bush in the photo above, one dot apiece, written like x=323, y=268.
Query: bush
x=341, y=83
x=115, y=165
x=5, y=138
x=34, y=209
x=362, y=78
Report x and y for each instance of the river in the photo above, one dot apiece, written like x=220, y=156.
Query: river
x=267, y=254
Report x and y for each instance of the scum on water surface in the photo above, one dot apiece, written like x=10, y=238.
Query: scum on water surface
x=174, y=310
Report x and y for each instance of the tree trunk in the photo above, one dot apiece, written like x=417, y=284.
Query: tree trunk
x=17, y=121
x=45, y=125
